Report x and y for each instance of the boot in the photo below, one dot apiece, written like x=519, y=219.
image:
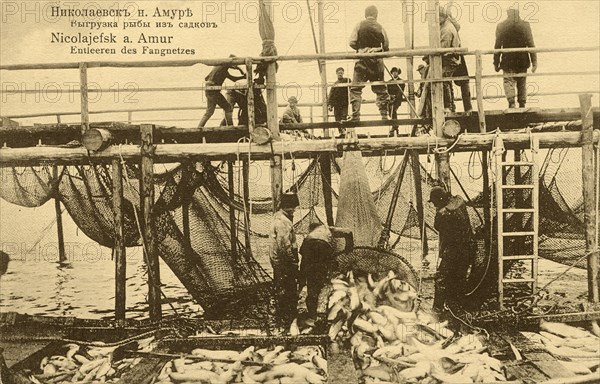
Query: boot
x=511, y=103
x=521, y=104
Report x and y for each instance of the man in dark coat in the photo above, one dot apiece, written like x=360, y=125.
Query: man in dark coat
x=338, y=97
x=396, y=92
x=369, y=37
x=456, y=247
x=514, y=33
x=214, y=97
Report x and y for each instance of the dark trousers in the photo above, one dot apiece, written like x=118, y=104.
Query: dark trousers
x=340, y=112
x=448, y=71
x=450, y=281
x=369, y=70
x=286, y=292
x=394, y=105
x=465, y=94
x=520, y=91
x=214, y=98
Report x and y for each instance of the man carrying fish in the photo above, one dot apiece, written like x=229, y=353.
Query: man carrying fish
x=456, y=247
x=284, y=258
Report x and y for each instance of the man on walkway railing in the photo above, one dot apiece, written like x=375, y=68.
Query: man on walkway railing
x=214, y=97
x=369, y=37
x=514, y=33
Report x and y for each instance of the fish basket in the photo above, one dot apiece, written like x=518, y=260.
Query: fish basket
x=376, y=261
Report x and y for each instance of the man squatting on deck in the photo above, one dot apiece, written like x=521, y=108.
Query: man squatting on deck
x=369, y=37
x=514, y=33
x=216, y=77
x=284, y=259
x=456, y=248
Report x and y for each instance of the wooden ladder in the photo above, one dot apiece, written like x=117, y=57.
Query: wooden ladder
x=502, y=187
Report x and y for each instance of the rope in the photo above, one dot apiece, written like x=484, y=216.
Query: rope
x=144, y=245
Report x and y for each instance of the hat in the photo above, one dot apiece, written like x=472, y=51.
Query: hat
x=293, y=99
x=340, y=69
x=396, y=69
x=289, y=200
x=420, y=67
x=437, y=194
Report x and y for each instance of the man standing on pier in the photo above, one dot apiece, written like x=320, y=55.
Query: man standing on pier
x=216, y=77
x=450, y=61
x=338, y=97
x=369, y=37
x=284, y=259
x=396, y=92
x=456, y=247
x=514, y=33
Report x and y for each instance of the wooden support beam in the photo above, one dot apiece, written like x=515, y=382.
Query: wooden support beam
x=590, y=188
x=62, y=256
x=325, y=165
x=83, y=88
x=416, y=171
x=479, y=92
x=232, y=221
x=273, y=125
x=437, y=92
x=119, y=250
x=185, y=222
x=147, y=152
x=299, y=149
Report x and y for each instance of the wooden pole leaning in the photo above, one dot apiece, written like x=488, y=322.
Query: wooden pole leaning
x=147, y=201
x=590, y=188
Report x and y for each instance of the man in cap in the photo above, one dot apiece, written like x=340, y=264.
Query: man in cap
x=396, y=92
x=339, y=96
x=514, y=33
x=216, y=77
x=292, y=113
x=284, y=258
x=456, y=247
x=369, y=37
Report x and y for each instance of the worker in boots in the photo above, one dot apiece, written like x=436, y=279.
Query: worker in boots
x=456, y=248
x=284, y=259
x=369, y=37
x=216, y=77
x=317, y=253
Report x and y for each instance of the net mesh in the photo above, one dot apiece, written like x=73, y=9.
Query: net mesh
x=236, y=283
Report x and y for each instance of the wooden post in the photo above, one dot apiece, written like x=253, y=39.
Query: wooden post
x=119, y=244
x=414, y=156
x=590, y=188
x=83, y=87
x=250, y=97
x=487, y=215
x=325, y=165
x=409, y=59
x=62, y=256
x=273, y=125
x=146, y=203
x=437, y=91
x=232, y=222
x=246, y=172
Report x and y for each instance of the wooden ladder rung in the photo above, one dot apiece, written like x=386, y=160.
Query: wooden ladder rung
x=504, y=281
x=518, y=186
x=519, y=257
x=508, y=163
x=523, y=233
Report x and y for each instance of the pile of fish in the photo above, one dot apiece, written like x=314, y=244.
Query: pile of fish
x=578, y=349
x=86, y=364
x=393, y=342
x=305, y=364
